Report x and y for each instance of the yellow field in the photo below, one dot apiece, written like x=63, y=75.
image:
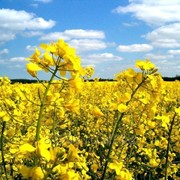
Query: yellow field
x=77, y=128
x=69, y=129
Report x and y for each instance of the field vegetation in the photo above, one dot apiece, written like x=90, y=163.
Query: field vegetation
x=71, y=129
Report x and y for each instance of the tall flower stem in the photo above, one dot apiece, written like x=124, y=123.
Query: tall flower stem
x=168, y=146
x=114, y=132
x=39, y=120
x=2, y=147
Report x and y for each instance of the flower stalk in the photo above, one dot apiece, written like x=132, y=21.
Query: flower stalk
x=168, y=146
x=114, y=132
x=2, y=148
x=38, y=126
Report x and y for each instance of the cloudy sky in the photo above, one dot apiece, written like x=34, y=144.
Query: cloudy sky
x=107, y=34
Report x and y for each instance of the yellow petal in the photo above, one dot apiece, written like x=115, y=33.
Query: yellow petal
x=32, y=68
x=122, y=108
x=25, y=171
x=117, y=166
x=37, y=173
x=97, y=112
x=45, y=153
x=27, y=148
x=48, y=59
x=94, y=167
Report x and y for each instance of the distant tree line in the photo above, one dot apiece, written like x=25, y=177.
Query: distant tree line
x=29, y=81
x=171, y=78
x=25, y=81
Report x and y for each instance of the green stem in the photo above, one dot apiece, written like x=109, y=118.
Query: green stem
x=120, y=117
x=168, y=147
x=54, y=123
x=38, y=127
x=2, y=147
x=111, y=144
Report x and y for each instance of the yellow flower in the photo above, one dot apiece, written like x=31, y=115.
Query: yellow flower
x=117, y=166
x=50, y=48
x=124, y=175
x=130, y=73
x=76, y=83
x=73, y=175
x=27, y=148
x=70, y=55
x=97, y=112
x=153, y=163
x=122, y=108
x=145, y=65
x=4, y=116
x=125, y=97
x=32, y=69
x=73, y=106
x=94, y=167
x=177, y=110
x=89, y=71
x=48, y=60
x=138, y=77
x=54, y=152
x=72, y=153
x=25, y=171
x=165, y=121
x=2, y=113
x=62, y=48
x=61, y=168
x=42, y=147
x=35, y=57
x=36, y=173
x=69, y=175
x=140, y=130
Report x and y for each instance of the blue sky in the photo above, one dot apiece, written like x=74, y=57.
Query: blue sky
x=107, y=34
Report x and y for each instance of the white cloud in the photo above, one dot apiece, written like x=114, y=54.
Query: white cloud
x=82, y=40
x=152, y=56
x=32, y=33
x=74, y=33
x=135, y=48
x=174, y=52
x=167, y=36
x=30, y=48
x=54, y=36
x=81, y=33
x=6, y=36
x=13, y=22
x=87, y=44
x=40, y=23
x=4, y=51
x=94, y=59
x=153, y=12
x=165, y=65
x=17, y=59
x=104, y=57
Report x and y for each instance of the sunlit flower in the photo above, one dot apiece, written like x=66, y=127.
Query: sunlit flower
x=32, y=69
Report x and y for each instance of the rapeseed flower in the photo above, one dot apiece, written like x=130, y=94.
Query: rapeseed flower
x=122, y=108
x=32, y=69
x=97, y=112
x=145, y=65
